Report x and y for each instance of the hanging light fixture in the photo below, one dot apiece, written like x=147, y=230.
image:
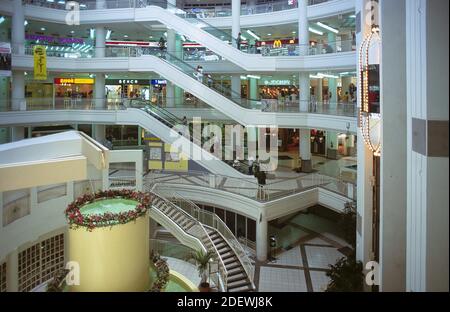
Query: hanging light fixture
x=369, y=70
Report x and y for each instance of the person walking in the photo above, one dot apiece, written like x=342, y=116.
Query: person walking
x=238, y=41
x=250, y=165
x=162, y=45
x=199, y=73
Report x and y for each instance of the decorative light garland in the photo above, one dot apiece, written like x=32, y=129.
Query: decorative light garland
x=364, y=114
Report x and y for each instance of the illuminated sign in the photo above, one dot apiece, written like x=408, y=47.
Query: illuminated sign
x=60, y=81
x=40, y=63
x=277, y=82
x=127, y=82
x=158, y=82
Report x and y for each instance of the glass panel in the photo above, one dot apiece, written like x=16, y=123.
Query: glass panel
x=251, y=230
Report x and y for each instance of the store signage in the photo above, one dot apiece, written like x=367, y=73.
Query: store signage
x=158, y=82
x=60, y=81
x=277, y=82
x=40, y=63
x=127, y=81
x=52, y=39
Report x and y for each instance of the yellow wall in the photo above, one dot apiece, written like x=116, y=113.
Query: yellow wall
x=112, y=258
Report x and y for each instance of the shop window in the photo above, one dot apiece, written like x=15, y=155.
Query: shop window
x=241, y=226
x=208, y=208
x=48, y=192
x=38, y=263
x=16, y=204
x=220, y=213
x=3, y=277
x=251, y=230
x=231, y=221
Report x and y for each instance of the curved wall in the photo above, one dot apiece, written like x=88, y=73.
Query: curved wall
x=112, y=258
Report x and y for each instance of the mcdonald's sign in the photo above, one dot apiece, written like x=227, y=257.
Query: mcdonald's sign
x=277, y=44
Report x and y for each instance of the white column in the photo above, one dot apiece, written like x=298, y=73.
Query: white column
x=304, y=86
x=236, y=20
x=18, y=28
x=171, y=49
x=332, y=41
x=303, y=32
x=305, y=149
x=261, y=237
x=332, y=88
x=319, y=93
x=393, y=178
x=99, y=133
x=100, y=4
x=365, y=165
x=99, y=91
x=100, y=41
x=236, y=86
x=18, y=90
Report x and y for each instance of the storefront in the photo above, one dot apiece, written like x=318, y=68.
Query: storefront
x=158, y=91
x=127, y=88
x=73, y=91
x=39, y=94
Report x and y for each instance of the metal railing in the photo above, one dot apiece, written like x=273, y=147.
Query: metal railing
x=122, y=182
x=262, y=193
x=212, y=220
x=221, y=270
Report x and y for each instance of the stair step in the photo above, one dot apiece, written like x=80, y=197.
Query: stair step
x=221, y=245
x=189, y=225
x=238, y=283
x=237, y=269
x=237, y=277
x=180, y=218
x=232, y=265
x=224, y=250
x=243, y=288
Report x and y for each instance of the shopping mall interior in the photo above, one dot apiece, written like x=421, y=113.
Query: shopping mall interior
x=224, y=146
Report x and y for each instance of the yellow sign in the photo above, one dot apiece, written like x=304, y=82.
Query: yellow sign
x=277, y=44
x=74, y=81
x=40, y=63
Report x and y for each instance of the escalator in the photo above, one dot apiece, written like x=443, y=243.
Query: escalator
x=173, y=122
x=198, y=30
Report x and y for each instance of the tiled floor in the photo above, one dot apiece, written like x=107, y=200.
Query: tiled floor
x=322, y=257
x=290, y=257
x=319, y=280
x=282, y=280
x=188, y=270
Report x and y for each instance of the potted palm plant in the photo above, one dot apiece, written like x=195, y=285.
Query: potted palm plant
x=202, y=260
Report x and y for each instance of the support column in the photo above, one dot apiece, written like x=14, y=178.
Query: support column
x=303, y=32
x=18, y=102
x=261, y=237
x=100, y=4
x=304, y=86
x=332, y=88
x=236, y=87
x=99, y=133
x=393, y=176
x=4, y=81
x=319, y=93
x=171, y=49
x=18, y=28
x=305, y=150
x=332, y=41
x=236, y=20
x=99, y=91
x=253, y=85
x=179, y=93
x=100, y=41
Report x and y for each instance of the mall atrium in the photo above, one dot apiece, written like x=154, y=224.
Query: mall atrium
x=224, y=145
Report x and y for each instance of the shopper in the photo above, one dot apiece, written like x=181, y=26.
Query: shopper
x=162, y=45
x=184, y=121
x=199, y=73
x=238, y=41
x=250, y=165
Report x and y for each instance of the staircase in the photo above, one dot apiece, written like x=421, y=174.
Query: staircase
x=237, y=278
x=234, y=276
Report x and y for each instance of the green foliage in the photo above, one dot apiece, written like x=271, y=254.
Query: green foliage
x=346, y=275
x=202, y=260
x=348, y=224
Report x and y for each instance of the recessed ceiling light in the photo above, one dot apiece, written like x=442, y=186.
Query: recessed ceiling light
x=25, y=23
x=43, y=28
x=269, y=34
x=294, y=32
x=72, y=31
x=327, y=27
x=125, y=36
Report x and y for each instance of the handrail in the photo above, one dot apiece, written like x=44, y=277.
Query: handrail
x=222, y=270
x=218, y=224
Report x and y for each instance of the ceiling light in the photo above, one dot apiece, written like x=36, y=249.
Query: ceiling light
x=72, y=31
x=327, y=27
x=294, y=32
x=92, y=33
x=25, y=23
x=318, y=32
x=82, y=5
x=165, y=34
x=150, y=37
x=108, y=34
x=2, y=19
x=51, y=1
x=251, y=33
x=243, y=78
x=352, y=16
x=125, y=36
x=43, y=28
x=254, y=76
x=243, y=38
x=327, y=76
x=269, y=34
x=61, y=2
